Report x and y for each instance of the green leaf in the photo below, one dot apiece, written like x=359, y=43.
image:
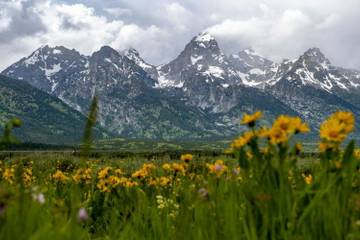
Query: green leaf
x=349, y=153
x=243, y=159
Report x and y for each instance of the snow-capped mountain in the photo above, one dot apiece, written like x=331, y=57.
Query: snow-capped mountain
x=44, y=67
x=310, y=86
x=254, y=70
x=203, y=74
x=201, y=57
x=201, y=93
x=134, y=55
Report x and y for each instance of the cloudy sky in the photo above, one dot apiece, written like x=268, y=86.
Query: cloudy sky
x=159, y=29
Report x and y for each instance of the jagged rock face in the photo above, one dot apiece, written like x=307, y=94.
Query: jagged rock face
x=204, y=73
x=134, y=55
x=253, y=69
x=46, y=66
x=201, y=93
x=310, y=87
x=313, y=68
x=202, y=57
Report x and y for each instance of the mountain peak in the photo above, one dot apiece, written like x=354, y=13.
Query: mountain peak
x=249, y=51
x=204, y=40
x=131, y=52
x=106, y=52
x=134, y=55
x=107, y=49
x=314, y=52
x=315, y=55
x=204, y=37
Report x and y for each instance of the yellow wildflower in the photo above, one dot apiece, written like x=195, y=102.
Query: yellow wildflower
x=243, y=140
x=144, y=171
x=178, y=168
x=27, y=176
x=163, y=181
x=347, y=118
x=333, y=130
x=278, y=136
x=250, y=119
x=337, y=127
x=290, y=125
x=323, y=146
x=59, y=176
x=83, y=176
x=299, y=126
x=152, y=182
x=218, y=168
x=186, y=157
x=284, y=123
x=114, y=181
x=103, y=173
x=166, y=166
x=9, y=175
x=130, y=184
x=139, y=174
x=308, y=178
x=103, y=185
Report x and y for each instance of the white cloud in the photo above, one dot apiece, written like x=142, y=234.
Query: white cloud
x=77, y=26
x=118, y=12
x=291, y=22
x=177, y=15
x=4, y=21
x=329, y=22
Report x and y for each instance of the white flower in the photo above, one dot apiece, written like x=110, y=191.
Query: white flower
x=39, y=197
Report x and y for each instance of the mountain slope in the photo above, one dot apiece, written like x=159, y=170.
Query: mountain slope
x=45, y=118
x=130, y=104
x=201, y=93
x=310, y=87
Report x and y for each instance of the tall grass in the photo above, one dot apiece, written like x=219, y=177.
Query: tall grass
x=256, y=192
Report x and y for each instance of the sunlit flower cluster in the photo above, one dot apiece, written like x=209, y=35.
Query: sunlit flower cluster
x=109, y=178
x=250, y=119
x=283, y=128
x=335, y=129
x=218, y=168
x=9, y=175
x=83, y=175
x=59, y=176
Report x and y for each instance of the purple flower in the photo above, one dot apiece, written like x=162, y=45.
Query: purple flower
x=82, y=215
x=218, y=167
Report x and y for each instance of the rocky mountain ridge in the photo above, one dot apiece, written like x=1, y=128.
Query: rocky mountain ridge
x=201, y=93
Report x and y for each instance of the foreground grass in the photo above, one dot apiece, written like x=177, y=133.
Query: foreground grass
x=256, y=191
x=182, y=201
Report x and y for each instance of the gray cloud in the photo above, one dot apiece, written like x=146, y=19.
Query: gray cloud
x=24, y=20
x=160, y=29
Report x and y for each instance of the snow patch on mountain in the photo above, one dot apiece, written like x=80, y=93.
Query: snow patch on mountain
x=164, y=82
x=215, y=71
x=195, y=59
x=49, y=71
